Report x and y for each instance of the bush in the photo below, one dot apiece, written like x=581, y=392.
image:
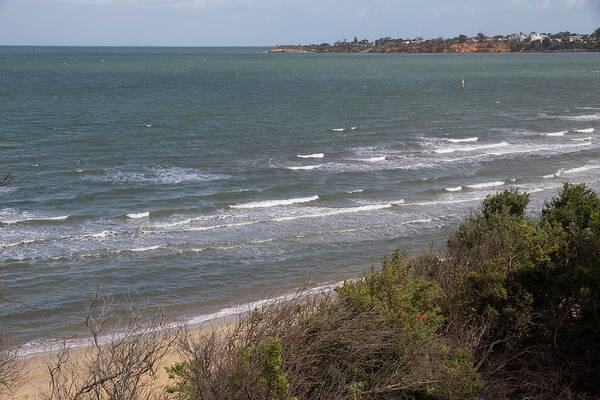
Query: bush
x=573, y=208
x=510, y=202
x=380, y=339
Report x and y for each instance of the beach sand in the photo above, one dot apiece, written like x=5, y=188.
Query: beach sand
x=36, y=379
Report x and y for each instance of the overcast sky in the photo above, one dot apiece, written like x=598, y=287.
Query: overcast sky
x=270, y=22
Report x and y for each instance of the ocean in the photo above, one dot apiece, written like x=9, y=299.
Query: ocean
x=203, y=179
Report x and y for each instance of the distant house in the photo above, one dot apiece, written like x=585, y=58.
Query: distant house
x=575, y=38
x=516, y=37
x=537, y=36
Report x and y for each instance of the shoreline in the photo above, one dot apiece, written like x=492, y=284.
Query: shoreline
x=36, y=379
x=301, y=51
x=42, y=348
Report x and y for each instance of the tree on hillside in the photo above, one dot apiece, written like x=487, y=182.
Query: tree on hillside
x=481, y=36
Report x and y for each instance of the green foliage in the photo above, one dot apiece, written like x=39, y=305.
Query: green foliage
x=391, y=291
x=513, y=311
x=573, y=208
x=269, y=373
x=510, y=202
x=182, y=374
x=531, y=285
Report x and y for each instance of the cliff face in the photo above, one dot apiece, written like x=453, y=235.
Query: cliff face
x=478, y=48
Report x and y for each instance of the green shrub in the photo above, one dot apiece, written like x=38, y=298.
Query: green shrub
x=512, y=311
x=512, y=202
x=573, y=208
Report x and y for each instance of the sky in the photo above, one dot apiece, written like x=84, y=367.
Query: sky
x=271, y=22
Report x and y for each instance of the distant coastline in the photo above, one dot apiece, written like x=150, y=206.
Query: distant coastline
x=532, y=42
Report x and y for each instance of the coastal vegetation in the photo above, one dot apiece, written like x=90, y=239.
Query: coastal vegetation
x=481, y=43
x=510, y=309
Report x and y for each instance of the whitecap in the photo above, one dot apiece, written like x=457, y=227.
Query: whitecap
x=141, y=249
x=355, y=191
x=305, y=167
x=485, y=185
x=371, y=159
x=258, y=241
x=102, y=234
x=338, y=129
x=353, y=128
x=470, y=148
x=139, y=215
x=419, y=221
x=174, y=175
x=36, y=219
x=584, y=139
x=454, y=189
x=315, y=155
x=275, y=203
x=441, y=202
x=561, y=133
x=465, y=140
x=586, y=117
x=548, y=176
x=587, y=130
x=338, y=211
x=577, y=169
x=21, y=243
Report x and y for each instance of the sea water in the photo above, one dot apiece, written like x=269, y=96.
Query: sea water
x=201, y=179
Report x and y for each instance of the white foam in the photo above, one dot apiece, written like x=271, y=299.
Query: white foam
x=102, y=234
x=338, y=129
x=338, y=211
x=22, y=242
x=419, y=221
x=140, y=249
x=470, y=148
x=305, y=167
x=587, y=130
x=485, y=185
x=372, y=159
x=211, y=227
x=262, y=241
x=36, y=219
x=275, y=203
x=148, y=125
x=587, y=117
x=248, y=307
x=139, y=215
x=355, y=191
x=441, y=202
x=465, y=140
x=577, y=170
x=454, y=189
x=548, y=176
x=561, y=133
x=584, y=139
x=353, y=128
x=315, y=155
x=174, y=175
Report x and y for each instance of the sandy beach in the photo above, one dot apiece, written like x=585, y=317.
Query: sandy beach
x=35, y=380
